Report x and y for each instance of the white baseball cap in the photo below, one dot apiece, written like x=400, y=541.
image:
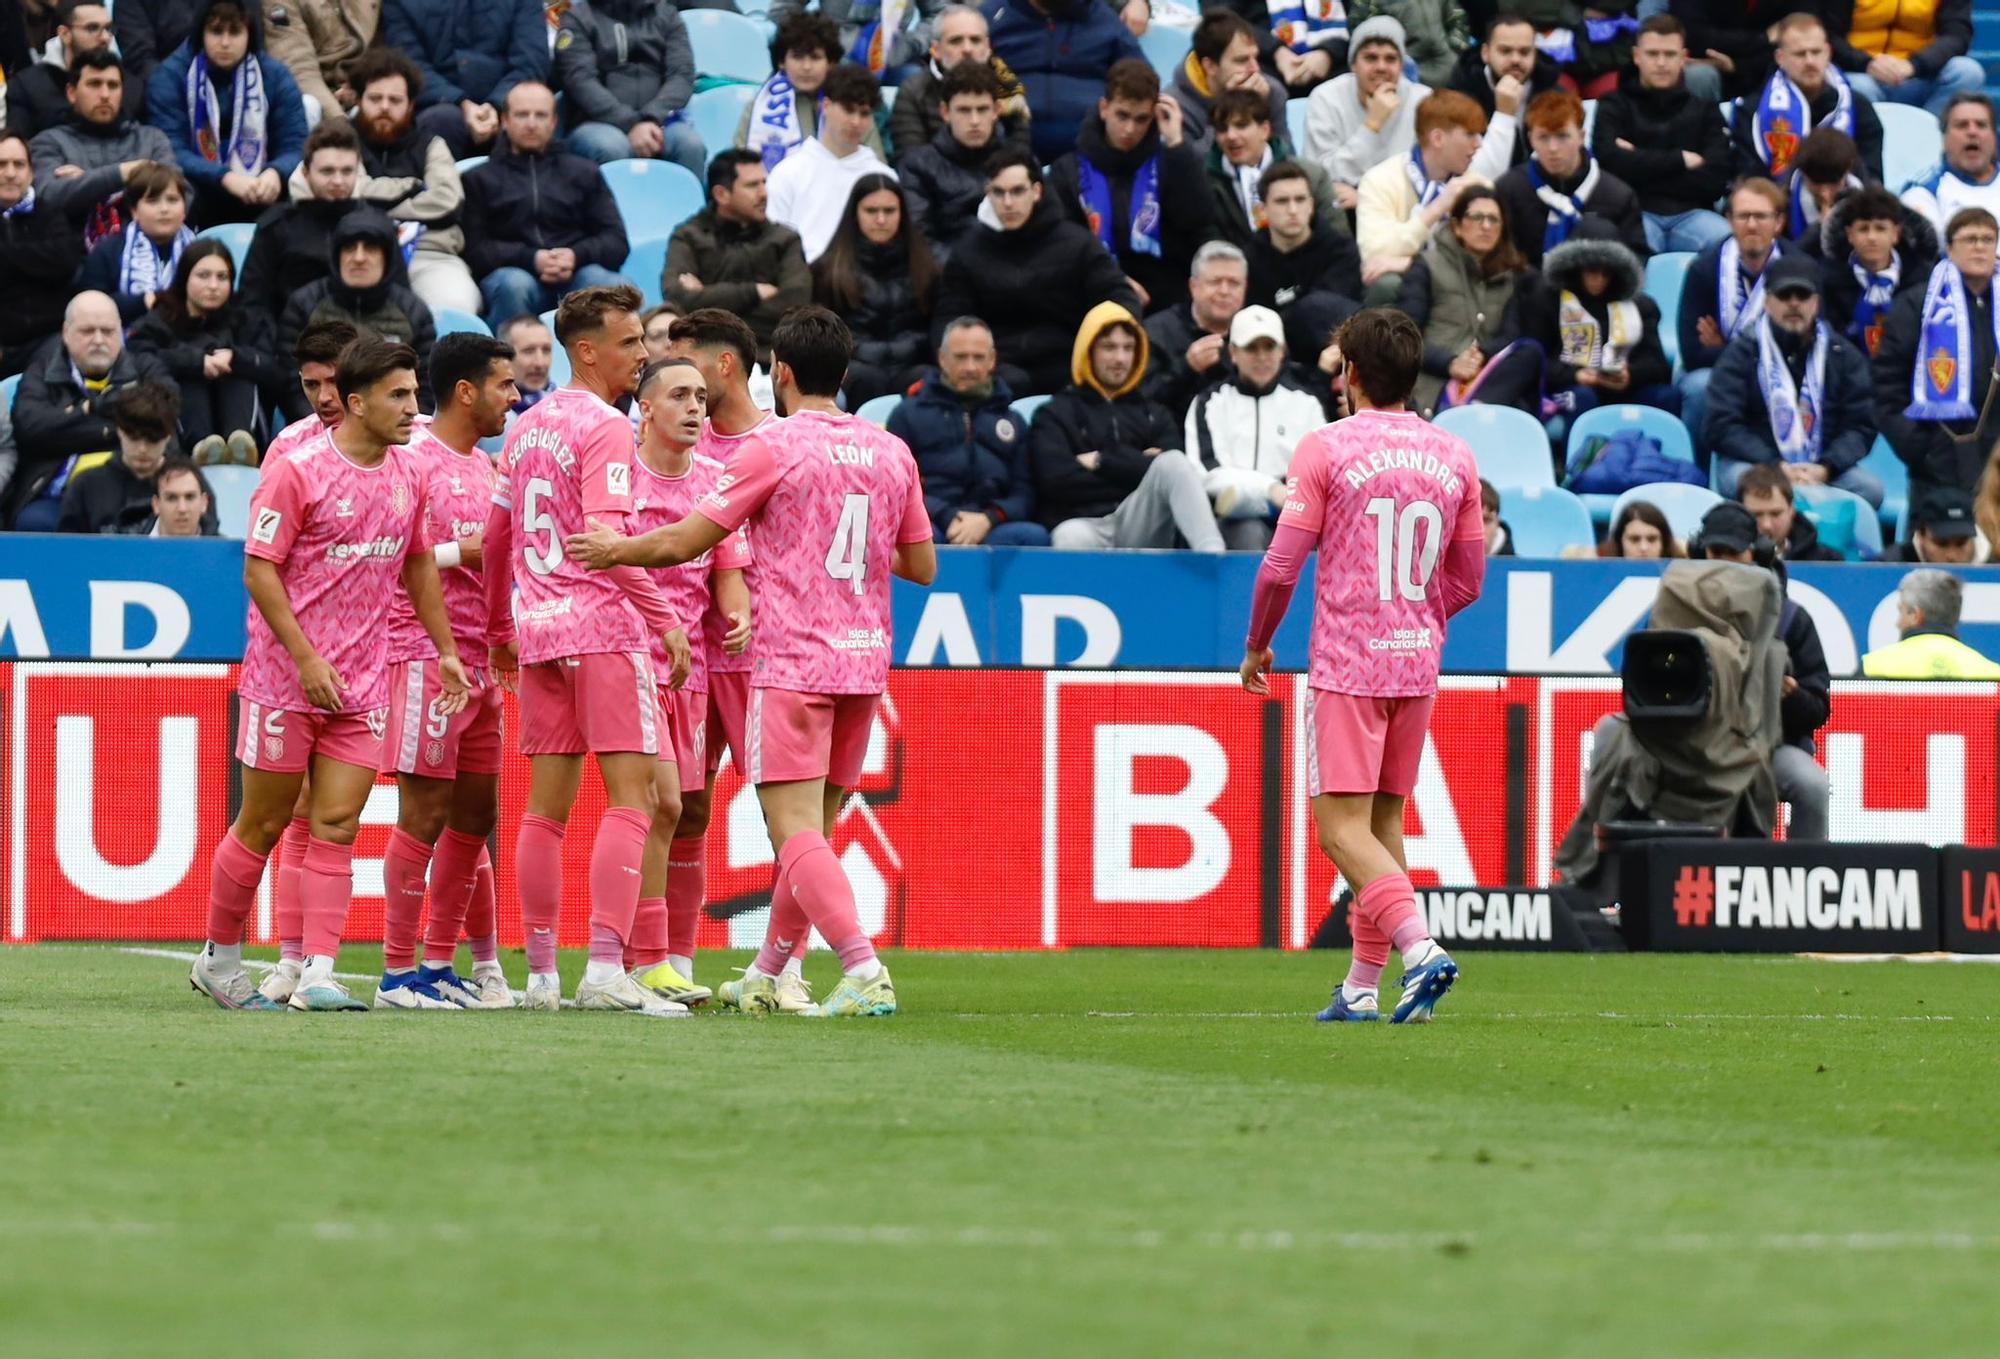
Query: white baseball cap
x=1256, y=323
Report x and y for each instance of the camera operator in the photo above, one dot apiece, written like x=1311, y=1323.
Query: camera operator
x=1729, y=534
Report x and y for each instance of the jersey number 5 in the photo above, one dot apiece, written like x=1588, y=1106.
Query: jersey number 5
x=535, y=519
x=847, y=555
x=1406, y=547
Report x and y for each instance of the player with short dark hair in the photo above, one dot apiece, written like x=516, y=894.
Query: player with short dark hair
x=1391, y=503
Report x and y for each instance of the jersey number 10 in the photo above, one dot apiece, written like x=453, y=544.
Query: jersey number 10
x=1406, y=547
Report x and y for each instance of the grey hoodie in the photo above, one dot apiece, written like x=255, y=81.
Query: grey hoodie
x=100, y=151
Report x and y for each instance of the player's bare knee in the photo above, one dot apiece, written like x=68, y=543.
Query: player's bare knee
x=259, y=832
x=422, y=818
x=337, y=830
x=694, y=814
x=666, y=814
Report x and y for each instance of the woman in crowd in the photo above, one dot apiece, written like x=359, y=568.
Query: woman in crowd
x=222, y=355
x=1641, y=533
x=1465, y=290
x=1599, y=333
x=878, y=274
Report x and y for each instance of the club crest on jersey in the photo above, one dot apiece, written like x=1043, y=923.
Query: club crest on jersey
x=618, y=478
x=266, y=529
x=434, y=754
x=378, y=722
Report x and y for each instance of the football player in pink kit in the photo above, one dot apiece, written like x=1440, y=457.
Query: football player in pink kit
x=1391, y=502
x=447, y=767
x=333, y=528
x=667, y=479
x=834, y=507
x=586, y=678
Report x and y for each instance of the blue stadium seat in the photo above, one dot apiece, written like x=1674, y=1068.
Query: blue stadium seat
x=232, y=488
x=235, y=235
x=877, y=409
x=644, y=266
x=450, y=321
x=1510, y=446
x=654, y=196
x=1684, y=505
x=1295, y=124
x=1167, y=48
x=1895, y=478
x=1824, y=502
x=715, y=113
x=559, y=370
x=469, y=164
x=9, y=386
x=1665, y=273
x=756, y=9
x=1543, y=520
x=1911, y=143
x=728, y=46
x=1026, y=407
x=1607, y=421
x=1589, y=119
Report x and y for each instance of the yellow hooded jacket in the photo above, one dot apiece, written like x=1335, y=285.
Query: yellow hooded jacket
x=1096, y=321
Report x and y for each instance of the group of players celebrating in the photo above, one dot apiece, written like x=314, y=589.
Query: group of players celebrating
x=726, y=581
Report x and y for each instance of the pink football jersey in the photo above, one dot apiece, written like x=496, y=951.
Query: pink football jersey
x=339, y=534
x=1385, y=491
x=658, y=500
x=829, y=498
x=290, y=439
x=721, y=448
x=458, y=489
x=567, y=460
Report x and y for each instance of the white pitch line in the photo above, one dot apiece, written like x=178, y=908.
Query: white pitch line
x=174, y=955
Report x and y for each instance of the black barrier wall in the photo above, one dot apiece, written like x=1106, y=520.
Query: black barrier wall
x=1742, y=896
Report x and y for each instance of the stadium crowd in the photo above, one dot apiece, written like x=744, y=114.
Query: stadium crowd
x=1091, y=262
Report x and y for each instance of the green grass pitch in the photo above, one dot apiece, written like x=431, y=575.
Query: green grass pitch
x=1091, y=1153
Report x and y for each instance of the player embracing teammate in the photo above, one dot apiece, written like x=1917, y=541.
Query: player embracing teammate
x=1391, y=503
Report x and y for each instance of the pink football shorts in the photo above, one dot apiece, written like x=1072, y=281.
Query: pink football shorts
x=285, y=742
x=795, y=736
x=427, y=743
x=728, y=701
x=687, y=723
x=1356, y=744
x=602, y=704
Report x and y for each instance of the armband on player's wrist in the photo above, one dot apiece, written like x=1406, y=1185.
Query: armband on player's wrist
x=448, y=555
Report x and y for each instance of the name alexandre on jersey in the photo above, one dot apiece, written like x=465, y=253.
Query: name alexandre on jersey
x=1368, y=465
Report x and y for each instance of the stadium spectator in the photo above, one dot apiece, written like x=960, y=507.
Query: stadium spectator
x=784, y=113
x=134, y=263
x=534, y=358
x=958, y=35
x=1306, y=43
x=38, y=94
x=945, y=179
x=320, y=42
x=1241, y=430
x=116, y=496
x=83, y=163
x=1803, y=93
x=232, y=113
x=1059, y=50
x=730, y=255
x=149, y=30
x=1223, y=56
x=472, y=57
x=1966, y=177
x=1499, y=537
x=626, y=68
x=1599, y=47
x=39, y=254
x=1666, y=141
x=1547, y=196
x=1109, y=472
x=1304, y=270
x=182, y=506
x=1031, y=274
x=1402, y=200
x=1928, y=605
x=1245, y=149
x=539, y=222
x=1873, y=248
x=1931, y=394
x=1437, y=31
x=1729, y=42
x=1914, y=55
x=1767, y=493
x=1466, y=292
x=62, y=419
x=971, y=449
x=878, y=275
x=1356, y=121
x=362, y=288
x=1189, y=342
x=289, y=249
x=852, y=17
x=223, y=356
x=1505, y=72
x=809, y=188
x=1598, y=329
x=1641, y=533
x=1826, y=169
x=1944, y=531
x=1136, y=182
x=1723, y=293
x=411, y=176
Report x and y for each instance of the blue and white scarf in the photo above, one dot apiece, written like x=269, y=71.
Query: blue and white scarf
x=1095, y=189
x=1565, y=209
x=1871, y=307
x=1303, y=25
x=1733, y=303
x=1558, y=45
x=876, y=41
x=26, y=205
x=1427, y=188
x=140, y=268
x=249, y=146
x=1795, y=413
x=774, y=120
x=1784, y=117
x=1941, y=383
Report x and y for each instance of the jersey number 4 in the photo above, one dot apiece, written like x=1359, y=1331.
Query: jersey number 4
x=535, y=519
x=847, y=554
x=1406, y=547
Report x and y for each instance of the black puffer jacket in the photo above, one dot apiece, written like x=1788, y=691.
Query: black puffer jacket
x=1612, y=199
x=39, y=254
x=1117, y=425
x=623, y=62
x=1840, y=290
x=289, y=252
x=55, y=419
x=1184, y=206
x=944, y=183
x=388, y=309
x=1660, y=125
x=891, y=328
x=518, y=203
x=971, y=459
x=181, y=345
x=1541, y=308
